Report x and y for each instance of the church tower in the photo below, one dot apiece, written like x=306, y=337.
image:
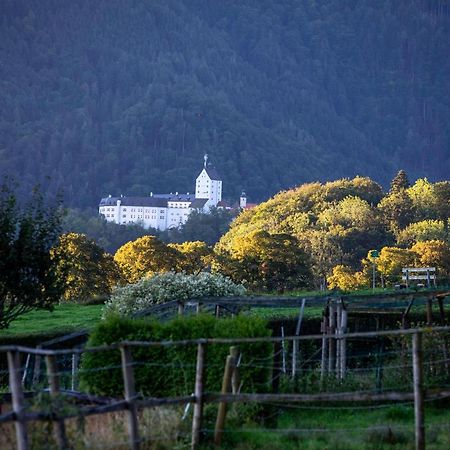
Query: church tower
x=208, y=185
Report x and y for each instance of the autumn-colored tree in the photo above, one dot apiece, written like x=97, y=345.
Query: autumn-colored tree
x=392, y=260
x=196, y=256
x=424, y=230
x=345, y=279
x=424, y=200
x=264, y=260
x=397, y=210
x=433, y=254
x=144, y=256
x=86, y=270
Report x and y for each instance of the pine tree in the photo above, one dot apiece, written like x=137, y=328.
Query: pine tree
x=400, y=182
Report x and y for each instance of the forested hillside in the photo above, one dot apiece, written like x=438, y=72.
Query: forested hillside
x=125, y=96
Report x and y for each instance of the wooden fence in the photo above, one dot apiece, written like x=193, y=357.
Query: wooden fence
x=132, y=403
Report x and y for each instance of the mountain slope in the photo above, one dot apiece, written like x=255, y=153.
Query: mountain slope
x=126, y=96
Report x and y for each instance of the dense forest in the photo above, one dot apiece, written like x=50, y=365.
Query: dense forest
x=338, y=223
x=125, y=96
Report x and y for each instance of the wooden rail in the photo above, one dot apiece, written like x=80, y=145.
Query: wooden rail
x=132, y=402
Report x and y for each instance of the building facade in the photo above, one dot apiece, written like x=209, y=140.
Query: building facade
x=163, y=211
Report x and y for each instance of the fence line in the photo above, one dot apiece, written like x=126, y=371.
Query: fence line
x=133, y=402
x=229, y=341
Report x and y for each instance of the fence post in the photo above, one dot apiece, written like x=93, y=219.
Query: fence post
x=331, y=340
x=130, y=396
x=418, y=391
x=235, y=376
x=343, y=352
x=338, y=333
x=198, y=392
x=222, y=409
x=37, y=368
x=283, y=351
x=15, y=386
x=75, y=361
x=180, y=308
x=324, y=348
x=53, y=383
x=25, y=372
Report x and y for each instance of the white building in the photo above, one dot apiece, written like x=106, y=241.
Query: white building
x=162, y=211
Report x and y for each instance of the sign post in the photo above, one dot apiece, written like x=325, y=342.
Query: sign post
x=374, y=254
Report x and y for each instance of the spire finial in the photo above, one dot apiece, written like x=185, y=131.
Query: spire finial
x=206, y=160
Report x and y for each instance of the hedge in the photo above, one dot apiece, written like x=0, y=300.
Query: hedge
x=170, y=371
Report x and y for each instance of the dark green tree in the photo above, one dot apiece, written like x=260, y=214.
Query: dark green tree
x=28, y=278
x=400, y=182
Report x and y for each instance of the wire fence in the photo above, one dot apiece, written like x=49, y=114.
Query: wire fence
x=189, y=392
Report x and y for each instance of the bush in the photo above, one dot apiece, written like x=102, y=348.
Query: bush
x=164, y=287
x=170, y=370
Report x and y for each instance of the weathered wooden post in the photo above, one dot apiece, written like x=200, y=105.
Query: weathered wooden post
x=343, y=342
x=198, y=392
x=75, y=361
x=180, y=308
x=323, y=329
x=130, y=396
x=418, y=391
x=338, y=338
x=283, y=350
x=25, y=372
x=15, y=386
x=235, y=376
x=222, y=409
x=53, y=382
x=331, y=339
x=37, y=368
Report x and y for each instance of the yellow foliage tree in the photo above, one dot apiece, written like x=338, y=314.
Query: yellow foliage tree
x=265, y=261
x=86, y=269
x=196, y=256
x=433, y=253
x=345, y=279
x=392, y=260
x=145, y=256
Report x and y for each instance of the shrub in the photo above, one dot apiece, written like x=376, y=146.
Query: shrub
x=164, y=287
x=170, y=370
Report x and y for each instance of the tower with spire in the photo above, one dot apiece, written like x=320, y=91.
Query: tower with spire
x=208, y=185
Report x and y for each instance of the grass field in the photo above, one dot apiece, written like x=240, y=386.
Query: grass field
x=336, y=428
x=65, y=318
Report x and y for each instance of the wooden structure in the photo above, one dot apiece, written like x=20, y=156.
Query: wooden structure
x=229, y=394
x=427, y=274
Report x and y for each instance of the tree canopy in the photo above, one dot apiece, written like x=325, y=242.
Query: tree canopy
x=85, y=268
x=145, y=256
x=28, y=274
x=125, y=97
